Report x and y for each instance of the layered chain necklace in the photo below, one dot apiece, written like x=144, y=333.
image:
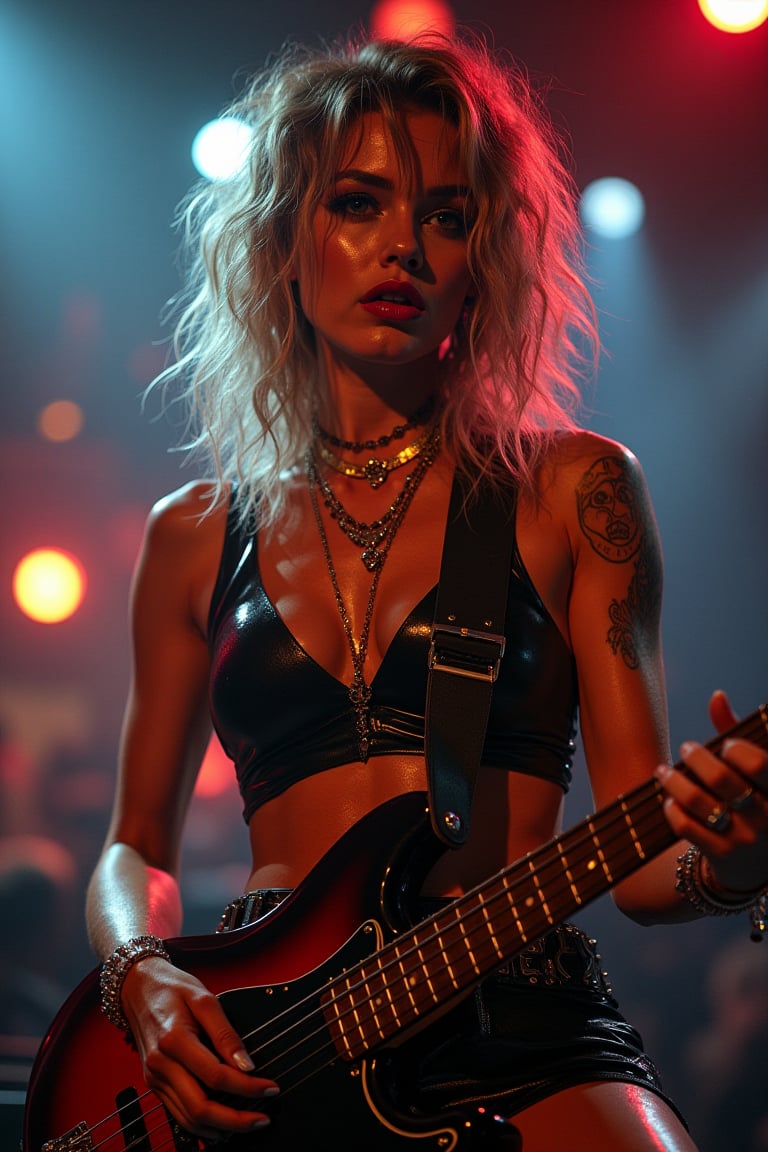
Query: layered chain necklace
x=375, y=469
x=376, y=538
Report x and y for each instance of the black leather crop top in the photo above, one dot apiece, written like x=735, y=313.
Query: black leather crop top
x=281, y=717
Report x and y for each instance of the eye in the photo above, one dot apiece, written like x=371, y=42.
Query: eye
x=451, y=221
x=354, y=204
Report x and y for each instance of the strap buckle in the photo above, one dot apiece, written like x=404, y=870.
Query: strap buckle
x=465, y=652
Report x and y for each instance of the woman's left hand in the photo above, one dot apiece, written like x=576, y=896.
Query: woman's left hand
x=720, y=803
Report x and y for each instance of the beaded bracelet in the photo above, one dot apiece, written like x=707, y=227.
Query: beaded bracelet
x=115, y=969
x=691, y=884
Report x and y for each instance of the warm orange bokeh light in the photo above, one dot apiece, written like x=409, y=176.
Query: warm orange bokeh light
x=403, y=19
x=60, y=420
x=49, y=585
x=735, y=15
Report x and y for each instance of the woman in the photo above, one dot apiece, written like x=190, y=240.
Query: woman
x=390, y=294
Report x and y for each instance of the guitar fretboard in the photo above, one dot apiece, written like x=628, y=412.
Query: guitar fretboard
x=448, y=953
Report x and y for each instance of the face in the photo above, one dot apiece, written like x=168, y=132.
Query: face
x=385, y=277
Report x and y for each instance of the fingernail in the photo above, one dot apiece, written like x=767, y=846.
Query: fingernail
x=686, y=748
x=243, y=1061
x=272, y=1091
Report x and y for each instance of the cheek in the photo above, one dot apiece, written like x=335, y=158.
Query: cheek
x=337, y=261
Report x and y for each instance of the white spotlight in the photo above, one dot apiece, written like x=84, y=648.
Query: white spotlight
x=220, y=147
x=612, y=207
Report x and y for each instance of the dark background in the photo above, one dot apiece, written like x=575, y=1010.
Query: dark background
x=99, y=102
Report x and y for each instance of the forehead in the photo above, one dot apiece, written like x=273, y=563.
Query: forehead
x=416, y=147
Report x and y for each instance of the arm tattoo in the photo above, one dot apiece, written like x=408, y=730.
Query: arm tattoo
x=612, y=519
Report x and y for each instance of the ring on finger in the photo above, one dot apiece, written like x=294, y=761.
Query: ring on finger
x=718, y=819
x=742, y=800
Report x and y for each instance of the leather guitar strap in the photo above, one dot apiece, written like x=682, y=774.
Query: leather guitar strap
x=466, y=650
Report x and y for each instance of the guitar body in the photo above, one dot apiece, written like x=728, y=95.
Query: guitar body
x=328, y=989
x=87, y=1090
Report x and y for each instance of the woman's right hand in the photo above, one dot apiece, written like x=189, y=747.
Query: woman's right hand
x=190, y=1051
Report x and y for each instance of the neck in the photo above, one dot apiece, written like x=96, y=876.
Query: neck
x=365, y=402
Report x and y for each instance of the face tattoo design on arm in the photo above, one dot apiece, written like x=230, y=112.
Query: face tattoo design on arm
x=612, y=518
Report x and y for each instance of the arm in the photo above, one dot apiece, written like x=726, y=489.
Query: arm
x=614, y=618
x=134, y=889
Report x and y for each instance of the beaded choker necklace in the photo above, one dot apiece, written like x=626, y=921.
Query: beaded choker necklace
x=420, y=416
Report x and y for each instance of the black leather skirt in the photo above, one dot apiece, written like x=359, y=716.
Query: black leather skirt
x=545, y=1021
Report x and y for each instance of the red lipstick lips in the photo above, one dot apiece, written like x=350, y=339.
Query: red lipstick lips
x=394, y=300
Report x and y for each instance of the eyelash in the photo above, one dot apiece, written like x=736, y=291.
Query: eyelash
x=342, y=206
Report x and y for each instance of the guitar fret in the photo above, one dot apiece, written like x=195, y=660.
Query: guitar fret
x=467, y=942
x=600, y=853
x=632, y=830
x=492, y=934
x=516, y=915
x=448, y=953
x=379, y=996
x=540, y=892
x=569, y=876
x=408, y=979
x=446, y=960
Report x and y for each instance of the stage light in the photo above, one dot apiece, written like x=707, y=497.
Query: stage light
x=735, y=15
x=49, y=585
x=60, y=420
x=612, y=207
x=219, y=149
x=404, y=19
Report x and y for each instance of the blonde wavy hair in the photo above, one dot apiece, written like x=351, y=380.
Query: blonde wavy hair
x=245, y=357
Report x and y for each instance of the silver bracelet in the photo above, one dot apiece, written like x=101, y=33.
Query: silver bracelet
x=115, y=969
x=691, y=884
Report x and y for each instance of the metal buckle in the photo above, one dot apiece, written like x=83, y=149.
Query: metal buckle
x=462, y=652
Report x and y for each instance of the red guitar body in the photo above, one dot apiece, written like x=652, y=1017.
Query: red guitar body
x=87, y=1092
x=327, y=989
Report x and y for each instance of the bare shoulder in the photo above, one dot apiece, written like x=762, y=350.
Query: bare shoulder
x=187, y=512
x=585, y=470
x=574, y=454
x=183, y=541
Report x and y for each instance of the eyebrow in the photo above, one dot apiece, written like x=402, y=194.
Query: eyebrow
x=374, y=181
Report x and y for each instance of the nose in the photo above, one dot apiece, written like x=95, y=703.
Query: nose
x=402, y=246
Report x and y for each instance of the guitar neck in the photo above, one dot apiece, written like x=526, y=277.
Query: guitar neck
x=448, y=953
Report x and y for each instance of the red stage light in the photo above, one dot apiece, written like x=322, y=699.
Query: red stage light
x=735, y=15
x=404, y=19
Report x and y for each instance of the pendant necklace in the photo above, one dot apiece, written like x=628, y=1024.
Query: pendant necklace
x=359, y=691
x=371, y=537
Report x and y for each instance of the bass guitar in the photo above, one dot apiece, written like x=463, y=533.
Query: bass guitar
x=327, y=986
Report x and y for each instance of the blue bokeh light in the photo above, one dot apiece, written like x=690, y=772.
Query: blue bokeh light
x=219, y=149
x=612, y=207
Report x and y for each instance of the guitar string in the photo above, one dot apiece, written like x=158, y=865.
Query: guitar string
x=422, y=961
x=750, y=728
x=503, y=895
x=440, y=951
x=617, y=816
x=617, y=813
x=433, y=931
x=423, y=945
